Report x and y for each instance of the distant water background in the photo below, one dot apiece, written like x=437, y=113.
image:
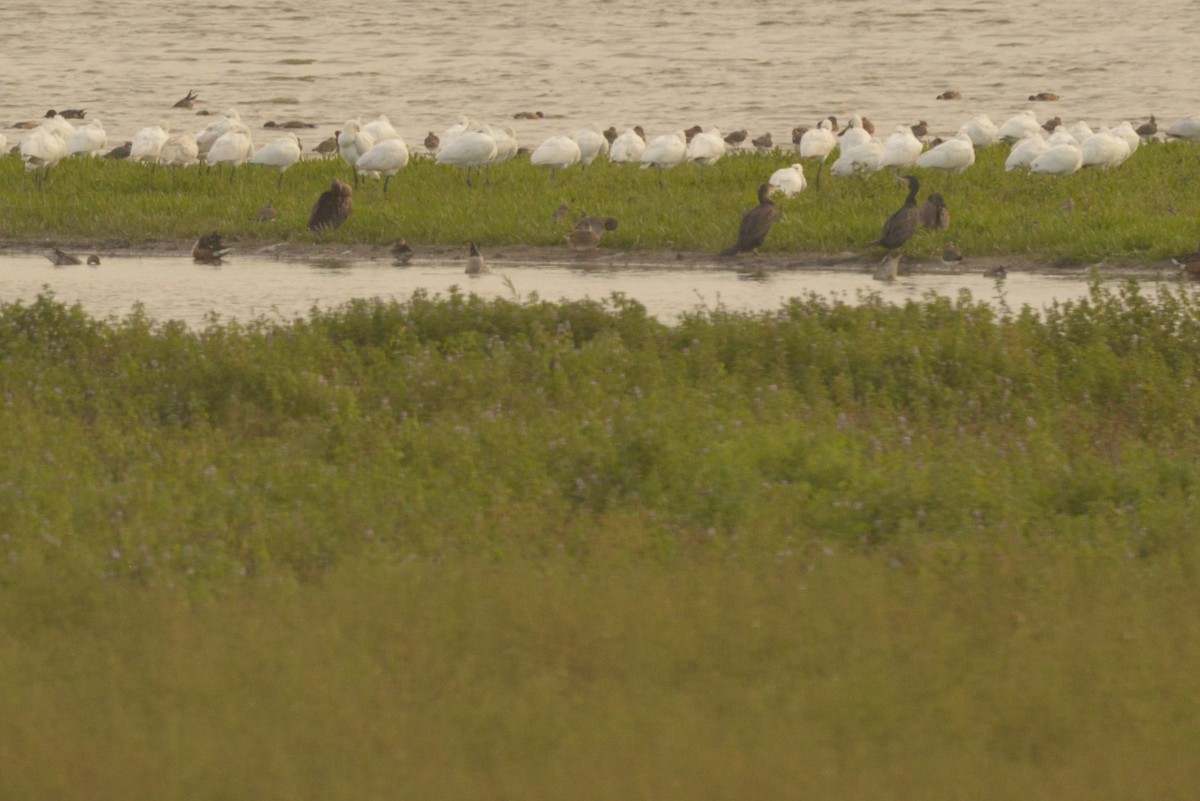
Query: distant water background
x=765, y=65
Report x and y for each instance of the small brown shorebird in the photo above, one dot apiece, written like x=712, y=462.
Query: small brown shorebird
x=401, y=252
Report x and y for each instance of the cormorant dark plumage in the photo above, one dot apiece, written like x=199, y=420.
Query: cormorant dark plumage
x=903, y=224
x=934, y=214
x=756, y=223
x=332, y=207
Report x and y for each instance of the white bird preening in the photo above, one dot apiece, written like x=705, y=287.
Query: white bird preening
x=470, y=149
x=1018, y=126
x=1187, y=129
x=180, y=150
x=281, y=154
x=379, y=129
x=952, y=156
x=41, y=150
x=147, y=143
x=557, y=153
x=788, y=180
x=232, y=148
x=1025, y=151
x=706, y=148
x=1104, y=150
x=629, y=146
x=87, y=140
x=591, y=143
x=981, y=131
x=352, y=143
x=853, y=137
x=1059, y=159
x=386, y=158
x=665, y=152
x=858, y=159
x=215, y=130
x=901, y=149
x=818, y=143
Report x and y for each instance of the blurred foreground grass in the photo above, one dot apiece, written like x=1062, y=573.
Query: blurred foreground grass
x=455, y=548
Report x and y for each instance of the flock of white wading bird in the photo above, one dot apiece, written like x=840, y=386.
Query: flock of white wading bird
x=376, y=149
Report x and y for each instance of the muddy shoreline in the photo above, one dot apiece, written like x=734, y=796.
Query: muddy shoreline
x=308, y=252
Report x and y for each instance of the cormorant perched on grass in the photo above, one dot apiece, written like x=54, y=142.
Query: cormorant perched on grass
x=901, y=225
x=756, y=224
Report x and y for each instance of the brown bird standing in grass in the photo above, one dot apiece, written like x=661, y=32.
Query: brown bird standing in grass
x=934, y=214
x=120, y=151
x=432, y=141
x=763, y=142
x=561, y=212
x=266, y=213
x=756, y=224
x=583, y=239
x=1147, y=129
x=900, y=227
x=209, y=249
x=328, y=147
x=736, y=138
x=332, y=207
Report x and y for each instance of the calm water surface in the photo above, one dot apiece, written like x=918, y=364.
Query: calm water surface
x=766, y=65
x=248, y=287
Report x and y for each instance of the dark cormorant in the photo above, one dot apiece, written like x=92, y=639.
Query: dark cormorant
x=903, y=224
x=332, y=207
x=756, y=223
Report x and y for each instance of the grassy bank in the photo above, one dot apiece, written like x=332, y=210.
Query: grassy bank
x=460, y=549
x=1144, y=211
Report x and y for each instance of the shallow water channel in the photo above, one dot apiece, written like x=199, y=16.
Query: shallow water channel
x=175, y=288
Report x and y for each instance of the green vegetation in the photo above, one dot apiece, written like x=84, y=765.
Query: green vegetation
x=461, y=549
x=1145, y=211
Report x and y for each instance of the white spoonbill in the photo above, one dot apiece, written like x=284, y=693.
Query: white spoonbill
x=1080, y=131
x=352, y=143
x=591, y=143
x=980, y=130
x=216, y=129
x=1127, y=132
x=629, y=146
x=88, y=140
x=232, y=148
x=180, y=150
x=853, y=137
x=41, y=150
x=557, y=153
x=281, y=154
x=1187, y=129
x=706, y=148
x=1024, y=152
x=1104, y=150
x=1062, y=159
x=1018, y=126
x=148, y=142
x=58, y=125
x=952, y=156
x=379, y=129
x=665, y=152
x=858, y=159
x=506, y=143
x=901, y=149
x=818, y=143
x=386, y=158
x=788, y=180
x=471, y=150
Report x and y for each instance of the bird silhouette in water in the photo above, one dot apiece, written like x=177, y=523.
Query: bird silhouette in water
x=401, y=252
x=934, y=214
x=756, y=224
x=209, y=249
x=60, y=259
x=332, y=207
x=900, y=227
x=475, y=264
x=188, y=101
x=93, y=260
